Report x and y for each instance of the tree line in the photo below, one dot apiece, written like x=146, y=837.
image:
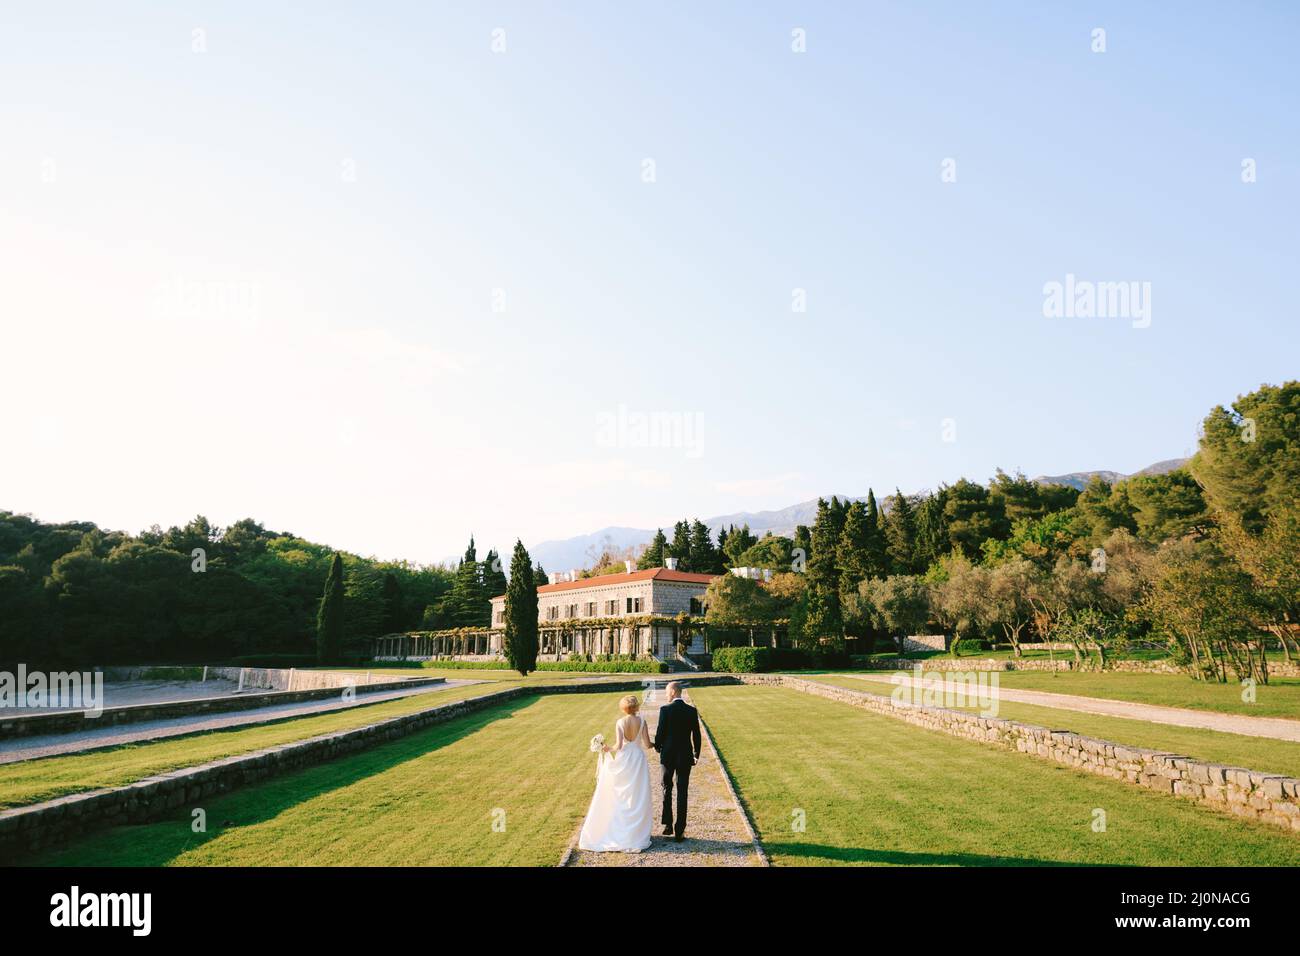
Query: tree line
x=1204, y=559
x=73, y=594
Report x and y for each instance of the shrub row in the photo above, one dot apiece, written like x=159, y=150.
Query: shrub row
x=606, y=666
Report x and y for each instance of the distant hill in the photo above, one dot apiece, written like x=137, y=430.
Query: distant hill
x=578, y=552
x=1080, y=479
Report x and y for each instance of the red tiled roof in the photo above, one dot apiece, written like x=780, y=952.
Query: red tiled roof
x=601, y=580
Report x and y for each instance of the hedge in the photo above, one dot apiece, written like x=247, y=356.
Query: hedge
x=607, y=665
x=742, y=660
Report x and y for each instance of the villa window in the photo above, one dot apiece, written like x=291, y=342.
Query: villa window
x=697, y=607
x=552, y=612
x=634, y=605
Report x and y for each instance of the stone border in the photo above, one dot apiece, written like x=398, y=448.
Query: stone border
x=70, y=721
x=1269, y=798
x=40, y=825
x=730, y=784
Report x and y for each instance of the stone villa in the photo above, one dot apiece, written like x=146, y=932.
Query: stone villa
x=631, y=612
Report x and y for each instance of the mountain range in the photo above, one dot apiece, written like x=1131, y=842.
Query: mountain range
x=582, y=550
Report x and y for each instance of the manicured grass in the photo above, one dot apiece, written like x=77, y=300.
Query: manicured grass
x=31, y=781
x=1236, y=750
x=875, y=790
x=426, y=800
x=1279, y=698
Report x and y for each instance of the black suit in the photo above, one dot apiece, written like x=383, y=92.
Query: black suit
x=677, y=738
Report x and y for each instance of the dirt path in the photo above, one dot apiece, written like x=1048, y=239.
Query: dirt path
x=94, y=738
x=1278, y=728
x=717, y=832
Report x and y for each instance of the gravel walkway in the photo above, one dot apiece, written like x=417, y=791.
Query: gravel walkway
x=1278, y=728
x=95, y=738
x=717, y=833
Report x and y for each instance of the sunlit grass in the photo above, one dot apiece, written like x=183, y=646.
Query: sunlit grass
x=31, y=781
x=430, y=799
x=875, y=790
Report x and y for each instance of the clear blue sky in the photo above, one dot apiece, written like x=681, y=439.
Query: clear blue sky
x=258, y=280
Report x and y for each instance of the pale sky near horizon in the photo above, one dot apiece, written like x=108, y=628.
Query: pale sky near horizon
x=262, y=277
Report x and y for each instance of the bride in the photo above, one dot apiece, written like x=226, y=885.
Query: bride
x=621, y=813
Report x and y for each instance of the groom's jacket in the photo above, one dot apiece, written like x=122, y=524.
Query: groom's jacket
x=677, y=738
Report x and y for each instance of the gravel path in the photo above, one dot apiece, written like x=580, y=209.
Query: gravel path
x=717, y=833
x=94, y=738
x=1278, y=728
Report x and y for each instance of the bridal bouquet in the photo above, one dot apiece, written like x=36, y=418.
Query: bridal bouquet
x=598, y=748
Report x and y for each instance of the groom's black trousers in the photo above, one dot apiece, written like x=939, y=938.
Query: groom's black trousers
x=683, y=773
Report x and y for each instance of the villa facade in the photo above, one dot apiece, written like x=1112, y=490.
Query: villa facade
x=633, y=612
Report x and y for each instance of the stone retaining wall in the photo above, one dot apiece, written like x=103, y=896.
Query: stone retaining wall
x=1275, y=668
x=32, y=828
x=67, y=721
x=1271, y=798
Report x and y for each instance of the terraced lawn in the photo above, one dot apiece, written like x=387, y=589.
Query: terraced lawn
x=876, y=791
x=1254, y=753
x=1279, y=698
x=430, y=799
x=31, y=781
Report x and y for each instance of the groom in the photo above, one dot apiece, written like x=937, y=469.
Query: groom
x=677, y=738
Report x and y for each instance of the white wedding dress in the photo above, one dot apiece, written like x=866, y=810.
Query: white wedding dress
x=621, y=812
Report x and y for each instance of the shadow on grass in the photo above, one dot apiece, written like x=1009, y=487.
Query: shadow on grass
x=848, y=854
x=161, y=841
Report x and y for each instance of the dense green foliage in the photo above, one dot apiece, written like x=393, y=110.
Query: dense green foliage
x=72, y=594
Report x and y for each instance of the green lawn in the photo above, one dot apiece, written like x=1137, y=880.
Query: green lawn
x=1255, y=753
x=875, y=790
x=1279, y=698
x=425, y=800
x=31, y=781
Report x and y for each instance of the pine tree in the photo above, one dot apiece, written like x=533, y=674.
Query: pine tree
x=394, y=615
x=932, y=529
x=739, y=540
x=852, y=557
x=900, y=535
x=653, y=556
x=540, y=576
x=704, y=558
x=467, y=605
x=494, y=577
x=681, y=546
x=802, y=546
x=329, y=617
x=520, y=642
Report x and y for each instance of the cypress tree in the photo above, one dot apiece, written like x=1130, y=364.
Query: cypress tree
x=329, y=617
x=653, y=555
x=876, y=546
x=520, y=643
x=900, y=535
x=824, y=620
x=540, y=576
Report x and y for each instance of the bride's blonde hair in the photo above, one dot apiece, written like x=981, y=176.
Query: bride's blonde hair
x=629, y=704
